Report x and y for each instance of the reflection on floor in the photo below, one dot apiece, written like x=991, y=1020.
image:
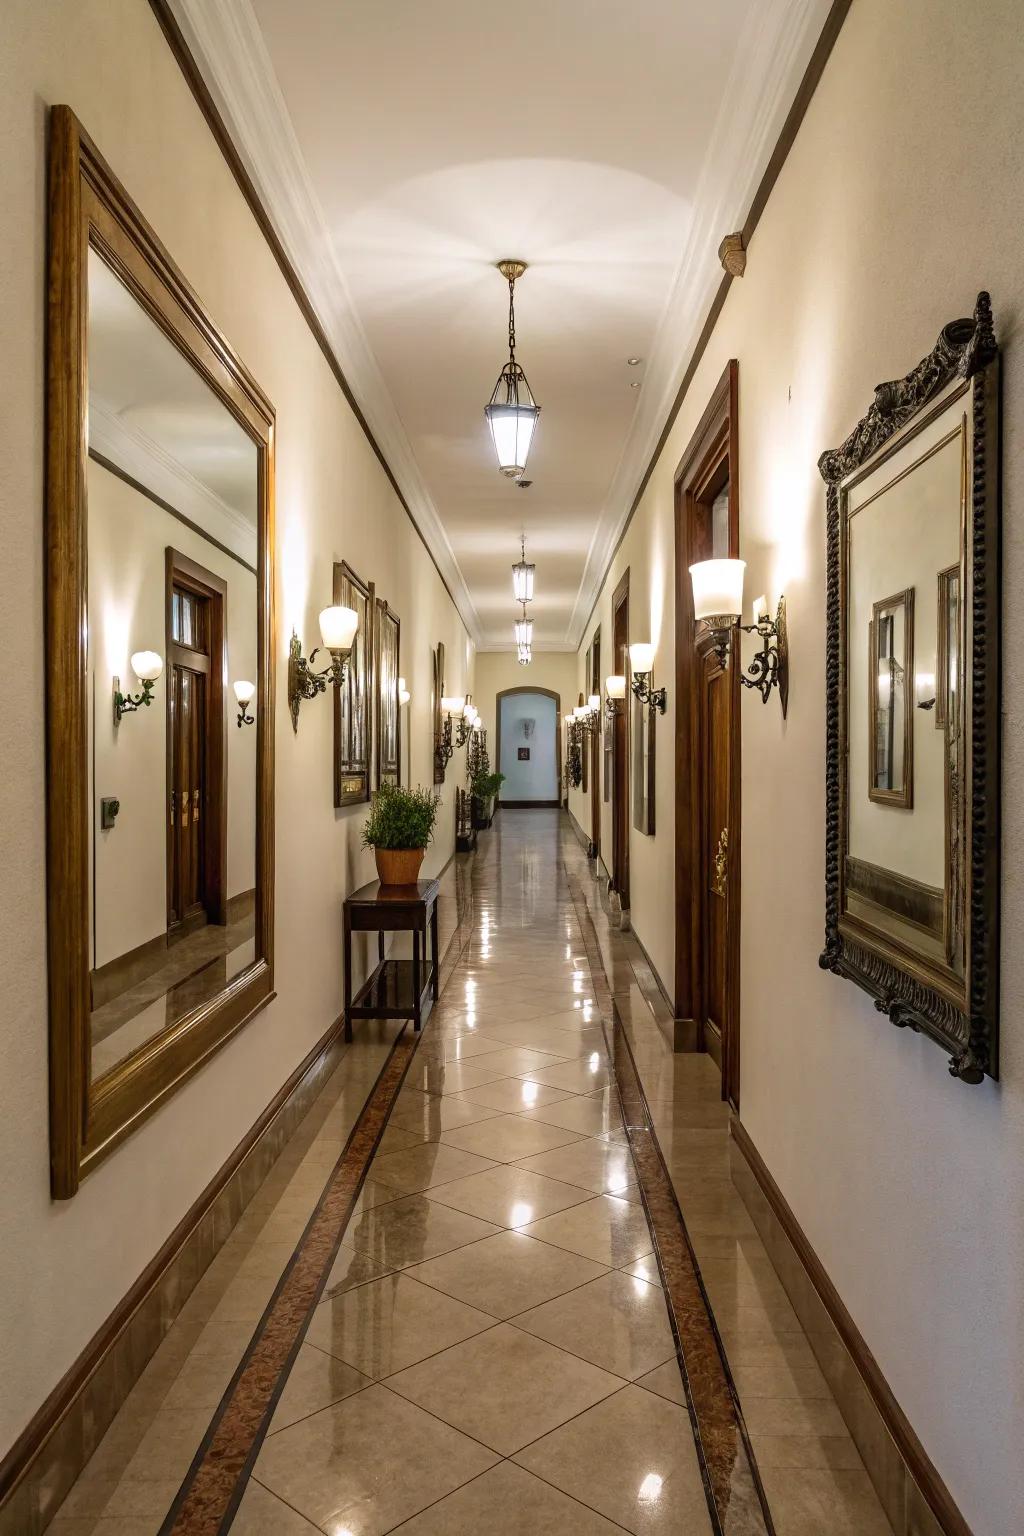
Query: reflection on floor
x=491, y=1352
x=192, y=971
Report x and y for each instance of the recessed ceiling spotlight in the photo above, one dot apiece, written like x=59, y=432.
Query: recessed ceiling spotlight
x=524, y=485
x=634, y=362
x=635, y=384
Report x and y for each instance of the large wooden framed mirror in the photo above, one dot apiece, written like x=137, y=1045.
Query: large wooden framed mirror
x=912, y=830
x=160, y=670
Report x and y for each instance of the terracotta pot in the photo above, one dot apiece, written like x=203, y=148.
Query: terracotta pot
x=398, y=866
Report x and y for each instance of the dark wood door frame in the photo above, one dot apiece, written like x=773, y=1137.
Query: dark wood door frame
x=184, y=572
x=620, y=754
x=549, y=693
x=713, y=451
x=595, y=749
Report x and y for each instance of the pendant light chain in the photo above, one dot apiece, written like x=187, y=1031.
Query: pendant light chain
x=512, y=321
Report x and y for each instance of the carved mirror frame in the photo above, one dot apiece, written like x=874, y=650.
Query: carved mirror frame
x=352, y=769
x=906, y=989
x=388, y=632
x=89, y=207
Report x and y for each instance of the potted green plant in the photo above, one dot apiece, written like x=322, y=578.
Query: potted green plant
x=398, y=829
x=485, y=787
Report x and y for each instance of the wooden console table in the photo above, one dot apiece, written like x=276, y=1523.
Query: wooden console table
x=397, y=988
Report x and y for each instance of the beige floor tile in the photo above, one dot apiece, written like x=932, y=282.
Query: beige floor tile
x=631, y=1457
x=395, y=1139
x=645, y=1268
x=412, y=1229
x=420, y=1167
x=519, y=1061
x=508, y=1195
x=451, y=1076
x=505, y=1388
x=806, y=1503
x=592, y=1117
x=607, y=1229
x=388, y=1324
x=666, y=1380
x=791, y=1416
x=598, y=1165
x=507, y=1501
x=315, y=1381
x=427, y=1115
x=261, y=1513
x=509, y=1096
x=509, y=1138
x=351, y=1268
x=780, y=1379
x=583, y=1075
x=617, y=1322
x=367, y=1464
x=507, y=1274
x=536, y=1034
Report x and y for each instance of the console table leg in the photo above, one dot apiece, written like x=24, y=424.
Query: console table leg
x=416, y=978
x=434, y=946
x=348, y=977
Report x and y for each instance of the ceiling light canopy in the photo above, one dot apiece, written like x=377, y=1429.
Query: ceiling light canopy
x=512, y=411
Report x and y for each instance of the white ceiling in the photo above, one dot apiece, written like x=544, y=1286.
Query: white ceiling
x=402, y=147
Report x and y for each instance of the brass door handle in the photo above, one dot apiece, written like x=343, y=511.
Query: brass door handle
x=720, y=880
x=172, y=807
x=195, y=805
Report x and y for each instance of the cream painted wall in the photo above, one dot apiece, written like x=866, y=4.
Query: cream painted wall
x=902, y=196
x=128, y=535
x=109, y=61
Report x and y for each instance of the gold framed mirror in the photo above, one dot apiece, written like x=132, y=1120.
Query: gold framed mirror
x=913, y=721
x=160, y=670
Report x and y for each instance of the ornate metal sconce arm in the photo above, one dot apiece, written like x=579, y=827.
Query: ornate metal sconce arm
x=303, y=682
x=244, y=718
x=769, y=667
x=611, y=707
x=463, y=733
x=443, y=748
x=654, y=698
x=128, y=703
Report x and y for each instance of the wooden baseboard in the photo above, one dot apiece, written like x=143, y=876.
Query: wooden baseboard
x=922, y=1503
x=28, y=1492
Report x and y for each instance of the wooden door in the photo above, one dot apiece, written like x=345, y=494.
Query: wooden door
x=187, y=808
x=717, y=836
x=189, y=699
x=620, y=745
x=595, y=751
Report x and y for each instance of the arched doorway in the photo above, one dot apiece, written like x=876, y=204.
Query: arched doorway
x=528, y=722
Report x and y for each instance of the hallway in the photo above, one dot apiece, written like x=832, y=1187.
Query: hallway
x=491, y=1347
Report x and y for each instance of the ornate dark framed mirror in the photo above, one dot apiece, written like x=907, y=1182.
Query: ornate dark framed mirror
x=353, y=701
x=913, y=699
x=159, y=580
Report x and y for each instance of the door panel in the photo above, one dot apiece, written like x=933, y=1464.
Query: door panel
x=715, y=737
x=187, y=798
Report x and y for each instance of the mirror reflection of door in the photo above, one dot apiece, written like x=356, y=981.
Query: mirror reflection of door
x=620, y=745
x=195, y=759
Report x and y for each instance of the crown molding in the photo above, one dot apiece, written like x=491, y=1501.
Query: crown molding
x=147, y=461
x=774, y=51
x=227, y=47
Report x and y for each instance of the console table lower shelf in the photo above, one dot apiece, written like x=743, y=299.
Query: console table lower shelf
x=390, y=992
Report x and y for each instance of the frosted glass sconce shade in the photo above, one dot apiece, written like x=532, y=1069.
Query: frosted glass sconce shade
x=717, y=588
x=338, y=628
x=147, y=666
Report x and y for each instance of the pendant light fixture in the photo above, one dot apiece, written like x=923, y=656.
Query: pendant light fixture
x=522, y=577
x=523, y=629
x=512, y=411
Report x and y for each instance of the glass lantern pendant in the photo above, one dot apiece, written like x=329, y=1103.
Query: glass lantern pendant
x=522, y=577
x=512, y=411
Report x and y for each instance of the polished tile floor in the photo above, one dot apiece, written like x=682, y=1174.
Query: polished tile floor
x=492, y=1351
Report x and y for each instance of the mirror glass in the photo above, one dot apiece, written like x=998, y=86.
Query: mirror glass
x=172, y=561
x=903, y=521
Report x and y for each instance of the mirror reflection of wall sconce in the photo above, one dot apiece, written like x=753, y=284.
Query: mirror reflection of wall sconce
x=403, y=693
x=147, y=666
x=615, y=688
x=924, y=690
x=717, y=607
x=467, y=720
x=586, y=716
x=641, y=661
x=243, y=693
x=451, y=708
x=337, y=632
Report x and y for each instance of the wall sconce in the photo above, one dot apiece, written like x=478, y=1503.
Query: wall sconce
x=403, y=693
x=615, y=688
x=924, y=690
x=243, y=693
x=470, y=714
x=337, y=632
x=717, y=606
x=585, y=716
x=452, y=708
x=147, y=666
x=641, y=661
